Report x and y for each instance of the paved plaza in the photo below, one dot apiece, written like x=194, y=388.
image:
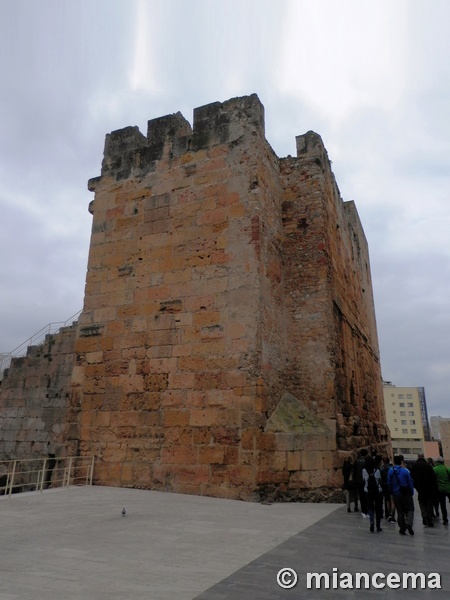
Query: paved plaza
x=75, y=544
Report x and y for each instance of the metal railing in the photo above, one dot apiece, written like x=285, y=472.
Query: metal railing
x=37, y=474
x=34, y=340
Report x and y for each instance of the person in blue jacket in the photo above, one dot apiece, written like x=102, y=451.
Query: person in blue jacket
x=401, y=487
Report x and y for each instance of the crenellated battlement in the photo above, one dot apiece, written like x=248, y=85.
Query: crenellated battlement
x=129, y=153
x=310, y=145
x=220, y=123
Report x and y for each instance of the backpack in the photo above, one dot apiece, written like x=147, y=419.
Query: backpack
x=384, y=474
x=404, y=489
x=372, y=485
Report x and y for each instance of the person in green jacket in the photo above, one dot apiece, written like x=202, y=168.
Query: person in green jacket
x=443, y=481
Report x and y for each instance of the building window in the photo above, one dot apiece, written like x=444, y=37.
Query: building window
x=409, y=396
x=396, y=429
x=395, y=420
x=411, y=404
x=403, y=421
x=411, y=413
x=412, y=422
x=402, y=404
x=413, y=431
x=403, y=413
x=404, y=431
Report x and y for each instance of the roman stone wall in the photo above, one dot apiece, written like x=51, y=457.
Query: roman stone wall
x=173, y=333
x=330, y=301
x=227, y=345
x=34, y=397
x=225, y=287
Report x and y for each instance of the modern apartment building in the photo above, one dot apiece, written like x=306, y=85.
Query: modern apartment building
x=407, y=419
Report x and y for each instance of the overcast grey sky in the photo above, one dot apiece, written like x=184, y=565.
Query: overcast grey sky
x=372, y=78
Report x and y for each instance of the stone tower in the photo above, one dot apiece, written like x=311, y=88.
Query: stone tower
x=228, y=343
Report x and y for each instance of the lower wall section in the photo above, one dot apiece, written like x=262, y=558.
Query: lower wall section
x=293, y=458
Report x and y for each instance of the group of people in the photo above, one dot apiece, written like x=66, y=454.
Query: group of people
x=385, y=489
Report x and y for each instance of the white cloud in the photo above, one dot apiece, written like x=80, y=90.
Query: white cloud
x=340, y=56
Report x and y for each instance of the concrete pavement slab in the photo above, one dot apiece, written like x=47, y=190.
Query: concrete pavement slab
x=74, y=543
x=342, y=543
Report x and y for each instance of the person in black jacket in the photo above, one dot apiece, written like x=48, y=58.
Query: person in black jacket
x=374, y=492
x=427, y=489
x=389, y=507
x=349, y=485
x=359, y=481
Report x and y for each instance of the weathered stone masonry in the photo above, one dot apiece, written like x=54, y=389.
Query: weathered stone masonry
x=227, y=344
x=34, y=398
